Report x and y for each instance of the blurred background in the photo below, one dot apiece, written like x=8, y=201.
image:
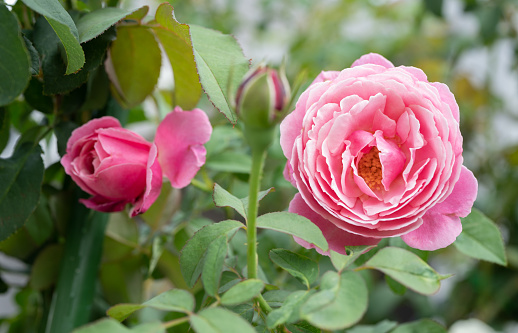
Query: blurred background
x=471, y=45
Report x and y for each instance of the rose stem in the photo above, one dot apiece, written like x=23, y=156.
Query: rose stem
x=258, y=157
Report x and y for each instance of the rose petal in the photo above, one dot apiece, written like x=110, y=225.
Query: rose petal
x=179, y=140
x=103, y=204
x=90, y=127
x=337, y=238
x=153, y=184
x=372, y=58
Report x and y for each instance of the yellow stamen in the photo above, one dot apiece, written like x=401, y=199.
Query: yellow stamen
x=369, y=168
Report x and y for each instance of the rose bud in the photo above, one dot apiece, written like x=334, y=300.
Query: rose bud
x=119, y=167
x=376, y=151
x=262, y=97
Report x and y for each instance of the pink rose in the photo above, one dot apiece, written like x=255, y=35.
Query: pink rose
x=376, y=151
x=119, y=167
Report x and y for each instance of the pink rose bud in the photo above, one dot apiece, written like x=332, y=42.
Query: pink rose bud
x=376, y=151
x=262, y=97
x=119, y=167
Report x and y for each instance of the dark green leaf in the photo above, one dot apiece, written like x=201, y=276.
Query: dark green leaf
x=65, y=29
x=44, y=273
x=133, y=64
x=406, y=268
x=295, y=225
x=34, y=96
x=34, y=56
x=302, y=327
x=301, y=267
x=242, y=292
x=5, y=128
x=191, y=259
x=15, y=61
x=289, y=312
x=221, y=67
x=481, y=239
x=176, y=41
x=95, y=23
x=340, y=303
x=218, y=320
x=63, y=130
x=423, y=325
x=213, y=266
x=21, y=176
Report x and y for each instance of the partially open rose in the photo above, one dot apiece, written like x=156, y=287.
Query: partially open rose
x=376, y=151
x=119, y=167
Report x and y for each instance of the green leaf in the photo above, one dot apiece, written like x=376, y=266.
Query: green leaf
x=175, y=300
x=154, y=327
x=44, y=272
x=103, y=326
x=176, y=41
x=34, y=96
x=191, y=258
x=301, y=267
x=246, y=311
x=21, y=176
x=230, y=161
x=5, y=128
x=218, y=320
x=289, y=312
x=15, y=65
x=481, y=239
x=95, y=23
x=340, y=261
x=65, y=29
x=295, y=225
x=221, y=67
x=382, y=327
x=406, y=268
x=395, y=286
x=157, y=249
x=133, y=64
x=423, y=325
x=223, y=198
x=242, y=292
x=340, y=303
x=56, y=81
x=33, y=55
x=213, y=266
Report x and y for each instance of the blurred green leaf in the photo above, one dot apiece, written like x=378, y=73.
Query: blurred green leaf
x=340, y=261
x=302, y=327
x=340, y=303
x=406, y=268
x=65, y=29
x=102, y=326
x=176, y=41
x=230, y=161
x=193, y=253
x=384, y=326
x=223, y=198
x=295, y=225
x=434, y=6
x=14, y=69
x=221, y=67
x=423, y=325
x=242, y=292
x=33, y=55
x=213, y=266
x=95, y=23
x=395, y=286
x=5, y=128
x=301, y=267
x=45, y=268
x=176, y=300
x=133, y=64
x=481, y=239
x=289, y=312
x=34, y=97
x=157, y=248
x=218, y=320
x=21, y=176
x=246, y=311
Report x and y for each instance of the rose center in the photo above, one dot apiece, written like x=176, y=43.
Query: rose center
x=369, y=168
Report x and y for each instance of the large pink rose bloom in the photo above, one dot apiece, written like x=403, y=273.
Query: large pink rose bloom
x=119, y=167
x=376, y=151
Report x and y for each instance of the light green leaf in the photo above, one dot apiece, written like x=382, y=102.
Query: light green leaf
x=301, y=267
x=175, y=300
x=481, y=239
x=157, y=249
x=95, y=23
x=384, y=326
x=106, y=325
x=213, y=266
x=340, y=261
x=176, y=41
x=21, y=176
x=154, y=327
x=221, y=67
x=15, y=61
x=133, y=64
x=340, y=303
x=218, y=320
x=191, y=259
x=423, y=325
x=223, y=198
x=289, y=312
x=295, y=225
x=406, y=268
x=242, y=292
x=65, y=29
